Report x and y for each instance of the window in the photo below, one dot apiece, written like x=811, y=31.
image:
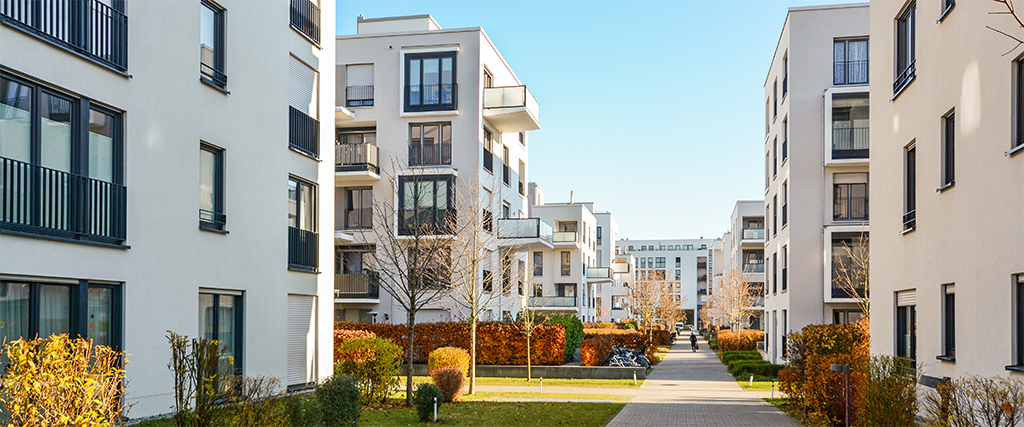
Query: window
x=51, y=140
x=678, y=262
x=304, y=108
x=659, y=262
x=505, y=169
x=488, y=151
x=850, y=130
x=430, y=82
x=905, y=45
x=359, y=87
x=947, y=5
x=661, y=247
x=599, y=235
x=211, y=44
x=785, y=266
x=643, y=248
x=1018, y=96
x=522, y=138
x=220, y=318
x=643, y=262
x=906, y=331
x=785, y=201
x=30, y=309
x=775, y=273
x=538, y=263
x=948, y=150
x=506, y=274
x=358, y=208
x=775, y=99
x=430, y=267
x=910, y=189
x=775, y=156
x=431, y=144
x=211, y=188
x=426, y=203
x=850, y=62
x=753, y=261
x=775, y=215
x=488, y=283
x=506, y=210
x=849, y=255
x=785, y=76
x=566, y=263
x=302, y=235
x=850, y=202
x=840, y=317
x=948, y=322
x=1019, y=357
x=677, y=247
x=785, y=137
x=629, y=248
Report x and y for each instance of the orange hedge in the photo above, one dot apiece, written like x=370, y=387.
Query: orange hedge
x=661, y=337
x=812, y=351
x=497, y=343
x=597, y=344
x=601, y=325
x=730, y=340
x=342, y=335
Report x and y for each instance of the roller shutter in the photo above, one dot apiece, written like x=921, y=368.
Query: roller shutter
x=302, y=344
x=303, y=84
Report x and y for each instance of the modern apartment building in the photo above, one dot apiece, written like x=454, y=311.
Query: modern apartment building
x=816, y=168
x=742, y=250
x=565, y=277
x=683, y=261
x=946, y=267
x=160, y=170
x=423, y=113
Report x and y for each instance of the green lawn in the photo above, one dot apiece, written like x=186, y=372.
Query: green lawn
x=487, y=395
x=549, y=382
x=760, y=383
x=795, y=411
x=501, y=414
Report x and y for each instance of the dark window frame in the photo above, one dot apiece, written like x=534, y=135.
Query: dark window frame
x=905, y=47
x=453, y=97
x=362, y=223
x=78, y=308
x=910, y=188
x=948, y=323
x=1017, y=142
x=845, y=66
x=442, y=152
x=303, y=242
x=948, y=167
x=437, y=225
x=215, y=74
x=906, y=328
x=844, y=207
x=1018, y=281
x=238, y=358
x=215, y=220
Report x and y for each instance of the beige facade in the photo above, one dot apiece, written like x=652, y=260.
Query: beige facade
x=685, y=262
x=943, y=238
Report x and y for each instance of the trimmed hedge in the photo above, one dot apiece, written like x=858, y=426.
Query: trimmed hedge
x=448, y=357
x=661, y=337
x=730, y=340
x=743, y=368
x=573, y=332
x=729, y=356
x=598, y=344
x=497, y=343
x=601, y=325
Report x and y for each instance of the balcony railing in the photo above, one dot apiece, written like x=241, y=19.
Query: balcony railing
x=910, y=220
x=850, y=142
x=850, y=208
x=753, y=268
x=357, y=286
x=565, y=237
x=850, y=72
x=306, y=19
x=435, y=154
x=842, y=292
x=753, y=234
x=433, y=97
x=303, y=133
x=510, y=97
x=524, y=228
x=302, y=250
x=552, y=302
x=905, y=76
x=356, y=157
x=359, y=96
x=90, y=28
x=599, y=273
x=701, y=264
x=488, y=160
x=39, y=200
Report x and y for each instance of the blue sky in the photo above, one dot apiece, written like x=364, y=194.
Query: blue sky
x=654, y=110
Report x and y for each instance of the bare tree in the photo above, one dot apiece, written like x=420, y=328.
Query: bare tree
x=650, y=293
x=528, y=322
x=734, y=299
x=850, y=271
x=410, y=254
x=1012, y=11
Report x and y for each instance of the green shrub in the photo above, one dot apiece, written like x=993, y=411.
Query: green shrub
x=304, y=410
x=424, y=400
x=448, y=357
x=450, y=380
x=255, y=402
x=373, y=362
x=713, y=345
x=573, y=332
x=889, y=397
x=729, y=356
x=743, y=368
x=337, y=402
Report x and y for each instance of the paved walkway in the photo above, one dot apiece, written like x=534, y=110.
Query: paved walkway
x=695, y=389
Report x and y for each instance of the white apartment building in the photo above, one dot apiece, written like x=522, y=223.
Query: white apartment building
x=425, y=109
x=947, y=275
x=163, y=174
x=742, y=249
x=816, y=167
x=683, y=261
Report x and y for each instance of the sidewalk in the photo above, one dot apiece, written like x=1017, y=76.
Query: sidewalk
x=694, y=389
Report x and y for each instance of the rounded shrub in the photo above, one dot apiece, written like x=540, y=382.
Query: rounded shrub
x=338, y=401
x=450, y=380
x=373, y=362
x=573, y=332
x=423, y=399
x=448, y=357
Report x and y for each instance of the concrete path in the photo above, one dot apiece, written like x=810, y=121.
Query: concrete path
x=547, y=389
x=695, y=389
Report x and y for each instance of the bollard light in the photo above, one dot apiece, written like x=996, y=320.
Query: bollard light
x=845, y=370
x=634, y=377
x=541, y=384
x=435, y=409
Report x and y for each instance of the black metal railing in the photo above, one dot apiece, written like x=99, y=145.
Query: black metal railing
x=211, y=219
x=904, y=77
x=89, y=27
x=303, y=133
x=359, y=219
x=850, y=208
x=356, y=157
x=215, y=76
x=433, y=154
x=357, y=286
x=488, y=160
x=700, y=264
x=435, y=97
x=306, y=19
x=850, y=142
x=839, y=291
x=39, y=200
x=302, y=249
x=850, y=72
x=910, y=219
x=359, y=96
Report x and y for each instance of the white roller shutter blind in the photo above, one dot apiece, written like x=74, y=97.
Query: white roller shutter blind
x=303, y=84
x=360, y=75
x=302, y=358
x=906, y=298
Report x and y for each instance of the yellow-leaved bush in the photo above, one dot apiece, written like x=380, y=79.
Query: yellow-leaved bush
x=448, y=357
x=62, y=381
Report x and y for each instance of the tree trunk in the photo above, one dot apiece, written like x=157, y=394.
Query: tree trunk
x=528, y=374
x=472, y=355
x=408, y=372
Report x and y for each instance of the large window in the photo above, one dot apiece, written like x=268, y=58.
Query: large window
x=850, y=115
x=753, y=261
x=358, y=208
x=302, y=235
x=906, y=331
x=566, y=263
x=60, y=164
x=430, y=82
x=948, y=322
x=850, y=62
x=430, y=144
x=910, y=188
x=948, y=149
x=659, y=262
x=29, y=309
x=905, y=45
x=359, y=88
x=211, y=44
x=849, y=265
x=850, y=202
x=220, y=318
x=538, y=263
x=426, y=204
x=211, y=188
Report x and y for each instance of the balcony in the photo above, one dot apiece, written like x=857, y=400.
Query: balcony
x=303, y=133
x=511, y=109
x=566, y=238
x=753, y=268
x=306, y=19
x=526, y=234
x=356, y=163
x=359, y=96
x=432, y=97
x=357, y=286
x=701, y=264
x=42, y=201
x=88, y=28
x=556, y=303
x=702, y=278
x=853, y=208
x=302, y=250
x=753, y=234
x=910, y=220
x=599, y=274
x=850, y=142
x=850, y=72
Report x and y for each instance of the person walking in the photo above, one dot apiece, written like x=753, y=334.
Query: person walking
x=693, y=342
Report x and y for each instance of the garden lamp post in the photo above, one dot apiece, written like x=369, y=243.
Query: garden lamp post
x=845, y=369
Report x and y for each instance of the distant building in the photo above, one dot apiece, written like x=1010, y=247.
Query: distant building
x=683, y=261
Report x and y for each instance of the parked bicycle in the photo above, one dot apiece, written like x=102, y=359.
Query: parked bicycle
x=624, y=357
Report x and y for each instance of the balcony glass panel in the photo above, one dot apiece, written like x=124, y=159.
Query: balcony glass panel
x=850, y=131
x=552, y=302
x=524, y=228
x=753, y=233
x=565, y=237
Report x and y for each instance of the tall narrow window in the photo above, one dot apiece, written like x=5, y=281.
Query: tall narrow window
x=785, y=266
x=302, y=233
x=1019, y=357
x=775, y=99
x=220, y=318
x=910, y=189
x=775, y=214
x=1018, y=95
x=850, y=62
x=430, y=82
x=538, y=263
x=775, y=273
x=785, y=75
x=211, y=44
x=211, y=188
x=359, y=85
x=358, y=208
x=905, y=47
x=785, y=138
x=775, y=156
x=303, y=111
x=948, y=150
x=488, y=151
x=949, y=322
x=785, y=201
x=430, y=144
x=566, y=263
x=906, y=331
